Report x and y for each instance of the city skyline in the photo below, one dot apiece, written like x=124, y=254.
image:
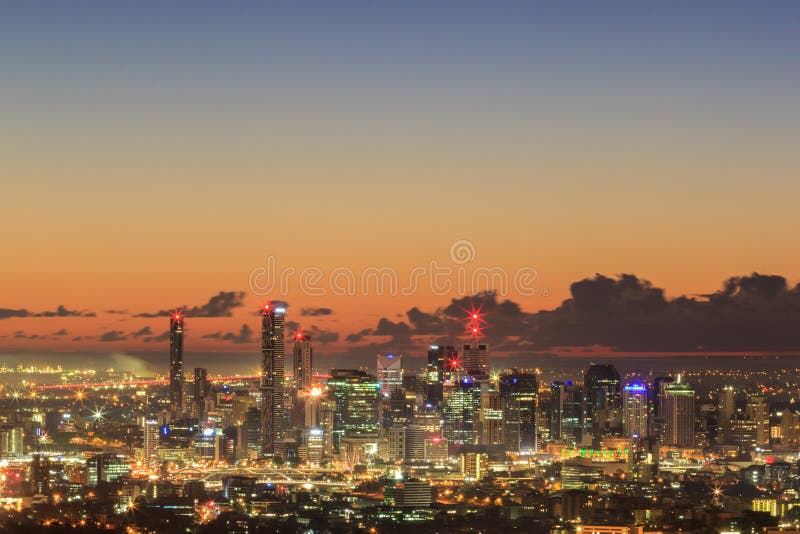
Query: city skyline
x=382, y=267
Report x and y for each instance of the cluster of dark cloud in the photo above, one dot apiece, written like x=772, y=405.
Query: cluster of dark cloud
x=163, y=336
x=112, y=336
x=244, y=335
x=315, y=312
x=220, y=305
x=143, y=332
x=624, y=313
x=60, y=311
x=20, y=334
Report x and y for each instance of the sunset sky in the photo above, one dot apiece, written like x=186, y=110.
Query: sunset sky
x=153, y=154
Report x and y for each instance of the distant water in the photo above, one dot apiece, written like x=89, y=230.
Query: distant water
x=151, y=363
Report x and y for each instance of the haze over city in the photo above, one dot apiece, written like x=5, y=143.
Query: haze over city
x=364, y=267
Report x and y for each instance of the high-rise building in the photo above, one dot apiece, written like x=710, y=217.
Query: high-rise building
x=151, y=431
x=657, y=393
x=475, y=360
x=643, y=460
x=355, y=396
x=727, y=409
x=758, y=411
x=461, y=397
x=474, y=465
x=790, y=427
x=603, y=400
x=40, y=474
x=201, y=389
x=572, y=422
x=390, y=373
x=252, y=433
x=490, y=416
x=176, y=364
x=303, y=361
x=635, y=410
x=519, y=398
x=272, y=377
x=438, y=358
x=678, y=406
x=410, y=493
x=10, y=441
x=105, y=467
x=397, y=409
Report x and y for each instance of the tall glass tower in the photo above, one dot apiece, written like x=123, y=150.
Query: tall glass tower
x=272, y=378
x=303, y=360
x=176, y=364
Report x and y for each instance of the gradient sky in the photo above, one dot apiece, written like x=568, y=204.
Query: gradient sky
x=153, y=153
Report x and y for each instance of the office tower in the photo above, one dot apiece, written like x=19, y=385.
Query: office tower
x=461, y=398
x=603, y=398
x=438, y=358
x=758, y=411
x=312, y=409
x=151, y=430
x=303, y=361
x=397, y=410
x=744, y=432
x=475, y=360
x=519, y=398
x=272, y=379
x=40, y=474
x=490, y=416
x=414, y=443
x=11, y=441
x=252, y=433
x=436, y=449
x=412, y=494
x=474, y=465
x=557, y=397
x=176, y=364
x=727, y=409
x=105, y=467
x=790, y=427
x=355, y=396
x=643, y=460
x=657, y=392
x=201, y=390
x=390, y=373
x=635, y=410
x=678, y=407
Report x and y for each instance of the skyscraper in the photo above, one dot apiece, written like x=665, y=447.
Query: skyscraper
x=272, y=377
x=657, y=394
x=475, y=360
x=201, y=390
x=635, y=410
x=727, y=409
x=390, y=373
x=572, y=424
x=519, y=395
x=355, y=395
x=176, y=364
x=678, y=406
x=303, y=360
x=758, y=411
x=602, y=387
x=438, y=358
x=461, y=398
x=490, y=415
x=151, y=429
